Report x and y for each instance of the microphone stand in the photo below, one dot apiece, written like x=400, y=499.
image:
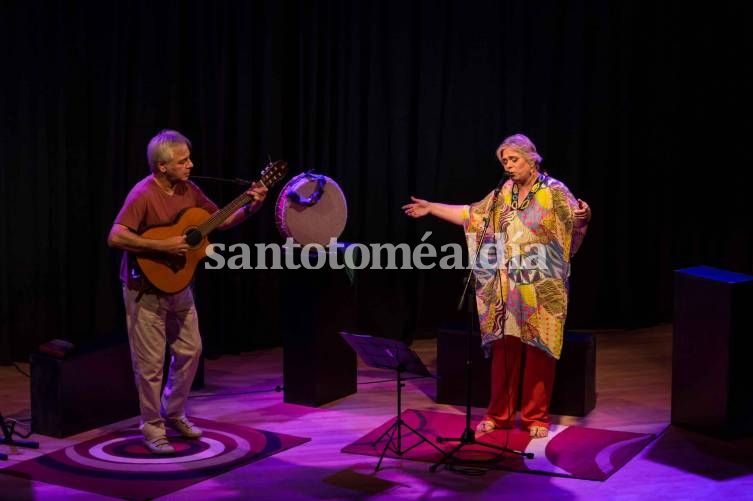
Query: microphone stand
x=237, y=181
x=468, y=437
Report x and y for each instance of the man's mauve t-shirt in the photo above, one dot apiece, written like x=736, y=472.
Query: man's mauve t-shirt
x=148, y=205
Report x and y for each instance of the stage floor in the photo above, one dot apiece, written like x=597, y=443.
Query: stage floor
x=633, y=386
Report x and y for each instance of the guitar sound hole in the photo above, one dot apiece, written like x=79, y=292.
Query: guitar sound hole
x=193, y=237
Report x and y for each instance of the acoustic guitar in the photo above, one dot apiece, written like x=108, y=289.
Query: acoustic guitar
x=170, y=273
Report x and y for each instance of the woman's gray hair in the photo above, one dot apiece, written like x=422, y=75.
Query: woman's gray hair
x=522, y=145
x=159, y=147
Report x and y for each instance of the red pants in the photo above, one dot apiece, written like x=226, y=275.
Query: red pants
x=535, y=392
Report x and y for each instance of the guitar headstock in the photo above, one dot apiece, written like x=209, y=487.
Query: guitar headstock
x=273, y=172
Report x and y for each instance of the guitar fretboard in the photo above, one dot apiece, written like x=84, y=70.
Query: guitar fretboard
x=218, y=217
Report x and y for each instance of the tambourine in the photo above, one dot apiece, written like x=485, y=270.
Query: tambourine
x=311, y=208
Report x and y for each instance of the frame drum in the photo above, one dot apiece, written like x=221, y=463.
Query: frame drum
x=310, y=209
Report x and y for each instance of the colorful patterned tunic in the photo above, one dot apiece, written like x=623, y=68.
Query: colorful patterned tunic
x=524, y=294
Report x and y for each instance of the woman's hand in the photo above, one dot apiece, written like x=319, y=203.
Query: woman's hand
x=582, y=215
x=419, y=208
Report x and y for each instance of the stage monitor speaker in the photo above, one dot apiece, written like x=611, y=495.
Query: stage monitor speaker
x=76, y=389
x=318, y=365
x=711, y=349
x=451, y=370
x=574, y=392
x=84, y=390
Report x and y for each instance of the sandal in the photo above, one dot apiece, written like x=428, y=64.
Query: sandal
x=486, y=426
x=538, y=431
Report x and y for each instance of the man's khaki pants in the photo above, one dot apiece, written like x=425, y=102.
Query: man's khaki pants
x=156, y=321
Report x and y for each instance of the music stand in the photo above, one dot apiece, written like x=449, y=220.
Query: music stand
x=393, y=355
x=7, y=439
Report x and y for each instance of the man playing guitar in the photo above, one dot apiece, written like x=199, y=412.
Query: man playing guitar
x=157, y=319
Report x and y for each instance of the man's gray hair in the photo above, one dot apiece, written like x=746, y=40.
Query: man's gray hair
x=159, y=147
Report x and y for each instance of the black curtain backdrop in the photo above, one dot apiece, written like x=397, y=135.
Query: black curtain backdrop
x=641, y=109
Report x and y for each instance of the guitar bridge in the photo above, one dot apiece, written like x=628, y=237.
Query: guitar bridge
x=176, y=263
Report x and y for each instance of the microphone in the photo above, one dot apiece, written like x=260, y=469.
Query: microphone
x=502, y=181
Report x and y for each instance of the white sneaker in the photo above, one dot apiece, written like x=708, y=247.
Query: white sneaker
x=159, y=445
x=185, y=427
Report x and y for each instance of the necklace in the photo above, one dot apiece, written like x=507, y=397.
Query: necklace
x=527, y=200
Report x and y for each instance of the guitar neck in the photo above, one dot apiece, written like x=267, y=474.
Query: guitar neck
x=270, y=175
x=219, y=217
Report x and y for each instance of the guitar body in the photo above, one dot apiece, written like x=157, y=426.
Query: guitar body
x=174, y=273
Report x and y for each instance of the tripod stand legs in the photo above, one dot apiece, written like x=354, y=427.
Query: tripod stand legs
x=7, y=439
x=469, y=438
x=397, y=428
